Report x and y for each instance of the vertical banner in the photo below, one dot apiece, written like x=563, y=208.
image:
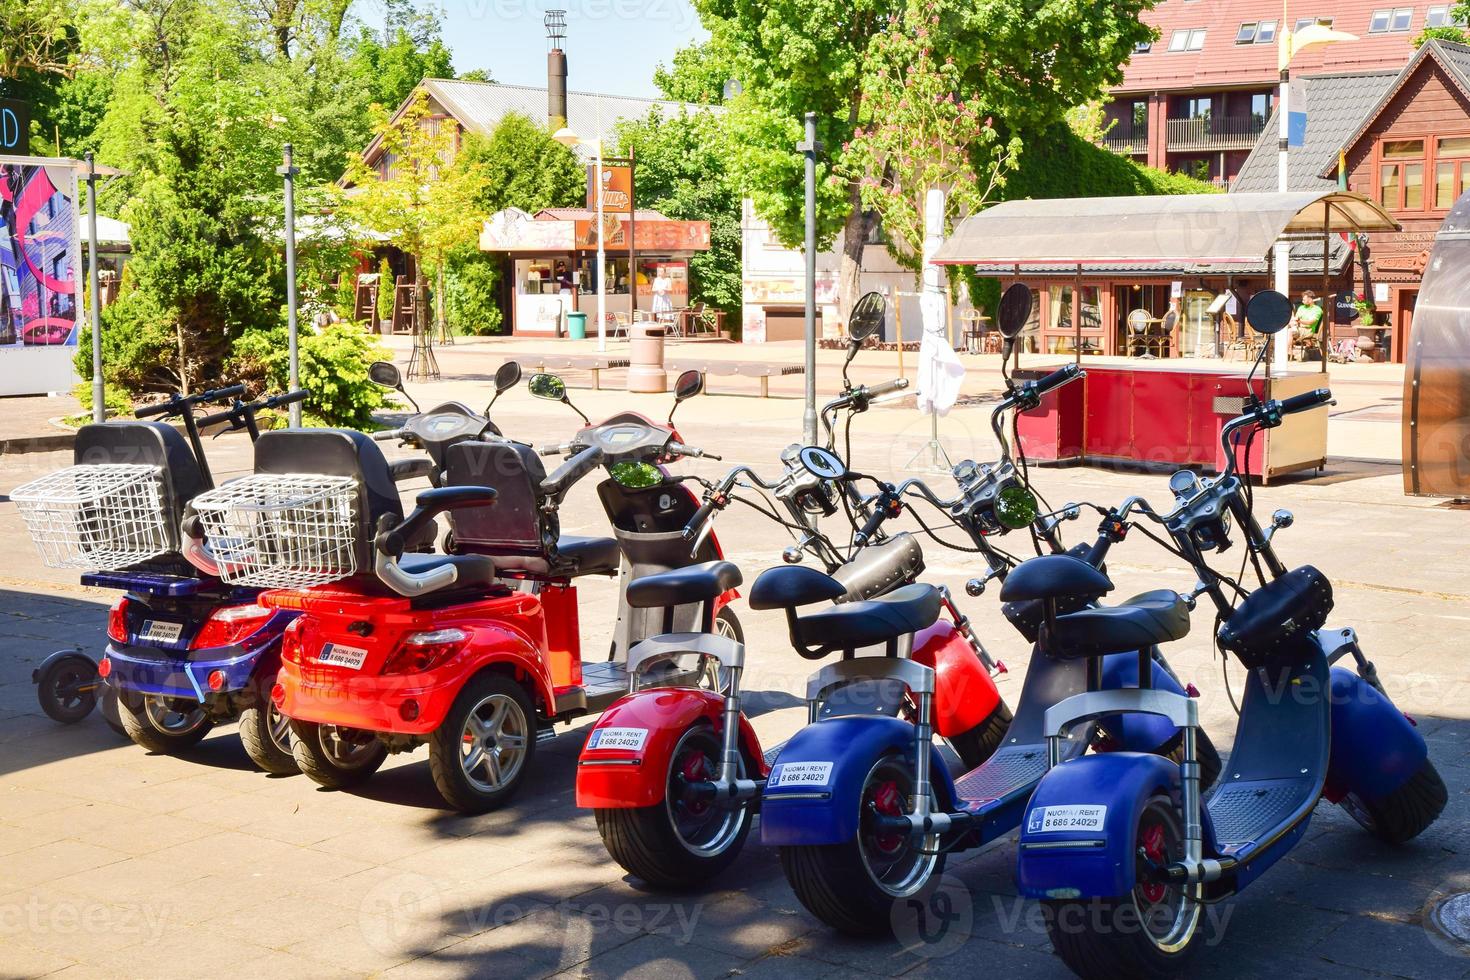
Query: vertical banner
x=40, y=275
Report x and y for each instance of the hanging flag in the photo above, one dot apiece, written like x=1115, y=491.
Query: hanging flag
x=940, y=370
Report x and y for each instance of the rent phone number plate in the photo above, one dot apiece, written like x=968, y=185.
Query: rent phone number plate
x=801, y=774
x=342, y=656
x=160, y=631
x=1050, y=819
x=628, y=739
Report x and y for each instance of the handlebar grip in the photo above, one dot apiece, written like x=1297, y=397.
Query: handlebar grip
x=215, y=419
x=1306, y=400
x=897, y=384
x=163, y=408
x=697, y=521
x=556, y=450
x=874, y=521
x=387, y=435
x=219, y=394
x=288, y=398
x=1057, y=378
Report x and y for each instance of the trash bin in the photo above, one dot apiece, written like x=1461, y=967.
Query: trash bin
x=646, y=358
x=577, y=326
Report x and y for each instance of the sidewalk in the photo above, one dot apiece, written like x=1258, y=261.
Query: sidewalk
x=26, y=426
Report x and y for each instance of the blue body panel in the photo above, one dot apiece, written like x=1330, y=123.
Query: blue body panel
x=810, y=812
x=157, y=583
x=1096, y=861
x=1374, y=748
x=176, y=671
x=1137, y=732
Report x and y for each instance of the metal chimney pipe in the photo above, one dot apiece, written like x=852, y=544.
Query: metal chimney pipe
x=556, y=69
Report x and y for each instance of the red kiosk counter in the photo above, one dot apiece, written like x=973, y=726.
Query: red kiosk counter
x=1171, y=413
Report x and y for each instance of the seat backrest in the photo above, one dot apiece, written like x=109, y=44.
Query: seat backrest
x=1054, y=577
x=147, y=443
x=513, y=527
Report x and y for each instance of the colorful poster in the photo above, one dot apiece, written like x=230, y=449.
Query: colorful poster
x=40, y=275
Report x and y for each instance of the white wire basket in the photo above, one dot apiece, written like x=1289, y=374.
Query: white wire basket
x=102, y=517
x=282, y=531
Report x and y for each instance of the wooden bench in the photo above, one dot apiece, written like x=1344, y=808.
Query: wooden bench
x=768, y=371
x=595, y=364
x=729, y=369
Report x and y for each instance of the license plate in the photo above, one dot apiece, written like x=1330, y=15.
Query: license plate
x=339, y=655
x=628, y=739
x=801, y=774
x=1054, y=819
x=160, y=631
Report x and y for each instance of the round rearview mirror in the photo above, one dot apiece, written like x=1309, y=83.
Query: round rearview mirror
x=1015, y=507
x=547, y=386
x=1268, y=312
x=820, y=462
x=687, y=385
x=385, y=373
x=866, y=318
x=507, y=376
x=1015, y=310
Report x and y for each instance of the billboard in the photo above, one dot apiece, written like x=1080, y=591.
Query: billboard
x=40, y=275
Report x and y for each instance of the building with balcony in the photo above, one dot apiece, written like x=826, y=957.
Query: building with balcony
x=1197, y=99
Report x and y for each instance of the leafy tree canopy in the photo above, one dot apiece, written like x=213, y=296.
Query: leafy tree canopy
x=521, y=166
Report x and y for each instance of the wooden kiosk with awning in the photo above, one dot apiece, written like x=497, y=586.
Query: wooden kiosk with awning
x=1165, y=412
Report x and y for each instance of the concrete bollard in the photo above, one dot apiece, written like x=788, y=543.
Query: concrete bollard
x=646, y=358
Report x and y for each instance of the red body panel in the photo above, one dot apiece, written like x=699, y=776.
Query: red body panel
x=627, y=779
x=964, y=694
x=508, y=629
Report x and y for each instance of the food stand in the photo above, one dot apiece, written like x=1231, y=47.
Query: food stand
x=1163, y=412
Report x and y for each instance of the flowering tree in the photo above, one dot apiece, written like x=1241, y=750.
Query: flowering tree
x=928, y=130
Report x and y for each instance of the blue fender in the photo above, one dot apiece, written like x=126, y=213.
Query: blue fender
x=1137, y=732
x=815, y=788
x=1094, y=858
x=1374, y=747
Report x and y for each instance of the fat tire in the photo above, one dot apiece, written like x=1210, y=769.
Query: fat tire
x=312, y=759
x=133, y=713
x=109, y=710
x=255, y=735
x=1406, y=812
x=444, y=746
x=979, y=743
x=1112, y=955
x=830, y=882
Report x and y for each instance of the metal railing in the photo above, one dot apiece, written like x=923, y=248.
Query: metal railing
x=1127, y=139
x=1215, y=133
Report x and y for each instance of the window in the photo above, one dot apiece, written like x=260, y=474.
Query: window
x=1187, y=40
x=1143, y=47
x=1401, y=175
x=1378, y=23
x=1140, y=116
x=1198, y=108
x=1451, y=170
x=1436, y=16
x=1196, y=40
x=1266, y=33
x=1246, y=34
x=1402, y=18
x=1179, y=40
x=1309, y=21
x=1260, y=107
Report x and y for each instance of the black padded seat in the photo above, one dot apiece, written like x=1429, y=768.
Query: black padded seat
x=1054, y=577
x=873, y=621
x=1141, y=622
x=474, y=571
x=693, y=583
x=592, y=556
x=788, y=586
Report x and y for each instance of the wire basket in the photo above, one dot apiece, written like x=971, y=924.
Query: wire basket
x=102, y=517
x=282, y=531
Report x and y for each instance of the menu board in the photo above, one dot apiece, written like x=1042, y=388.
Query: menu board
x=40, y=275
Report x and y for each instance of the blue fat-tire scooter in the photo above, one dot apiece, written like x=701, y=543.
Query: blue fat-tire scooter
x=1124, y=850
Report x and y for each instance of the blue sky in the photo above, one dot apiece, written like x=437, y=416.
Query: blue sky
x=612, y=46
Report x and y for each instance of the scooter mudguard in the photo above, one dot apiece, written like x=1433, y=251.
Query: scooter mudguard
x=964, y=694
x=1077, y=832
x=1136, y=731
x=814, y=792
x=625, y=760
x=1375, y=749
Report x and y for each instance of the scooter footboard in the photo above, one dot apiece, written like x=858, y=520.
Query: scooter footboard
x=814, y=793
x=1077, y=834
x=625, y=761
x=1375, y=749
x=1136, y=731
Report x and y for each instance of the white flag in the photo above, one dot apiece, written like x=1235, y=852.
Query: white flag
x=940, y=370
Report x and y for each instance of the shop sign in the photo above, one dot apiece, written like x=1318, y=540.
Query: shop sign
x=513, y=230
x=15, y=125
x=617, y=189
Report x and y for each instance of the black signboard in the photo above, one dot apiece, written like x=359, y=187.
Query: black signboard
x=15, y=127
x=1346, y=310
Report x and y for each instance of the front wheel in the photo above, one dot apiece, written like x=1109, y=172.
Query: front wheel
x=1206, y=755
x=480, y=754
x=266, y=734
x=682, y=840
x=163, y=724
x=1406, y=812
x=1150, y=932
x=333, y=756
x=855, y=886
x=67, y=688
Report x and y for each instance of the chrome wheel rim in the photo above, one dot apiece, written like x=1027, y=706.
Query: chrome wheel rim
x=703, y=828
x=493, y=743
x=166, y=715
x=894, y=863
x=1167, y=913
x=277, y=727
x=347, y=748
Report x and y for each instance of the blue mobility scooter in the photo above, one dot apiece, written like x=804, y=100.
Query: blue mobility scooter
x=1124, y=850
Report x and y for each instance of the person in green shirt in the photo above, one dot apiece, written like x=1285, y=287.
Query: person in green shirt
x=1308, y=318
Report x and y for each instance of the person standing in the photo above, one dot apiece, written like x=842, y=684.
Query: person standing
x=663, y=291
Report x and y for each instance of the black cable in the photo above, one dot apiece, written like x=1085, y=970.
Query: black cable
x=914, y=511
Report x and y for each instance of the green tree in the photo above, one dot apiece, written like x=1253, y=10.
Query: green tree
x=521, y=166
x=698, y=74
x=392, y=70
x=426, y=206
x=36, y=35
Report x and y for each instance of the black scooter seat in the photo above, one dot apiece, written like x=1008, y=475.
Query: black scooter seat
x=591, y=556
x=1143, y=621
x=862, y=624
x=678, y=586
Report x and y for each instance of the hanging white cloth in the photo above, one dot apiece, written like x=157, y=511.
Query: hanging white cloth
x=940, y=369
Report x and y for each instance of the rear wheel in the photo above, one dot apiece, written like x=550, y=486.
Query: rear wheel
x=1405, y=813
x=163, y=724
x=682, y=840
x=480, y=754
x=266, y=734
x=109, y=710
x=67, y=689
x=1150, y=932
x=333, y=756
x=979, y=743
x=855, y=886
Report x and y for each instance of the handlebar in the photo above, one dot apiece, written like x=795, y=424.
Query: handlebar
x=179, y=403
x=700, y=516
x=241, y=410
x=559, y=449
x=875, y=520
x=1057, y=378
x=679, y=449
x=1306, y=400
x=897, y=384
x=388, y=435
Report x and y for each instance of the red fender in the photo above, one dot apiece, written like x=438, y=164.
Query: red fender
x=964, y=694
x=627, y=778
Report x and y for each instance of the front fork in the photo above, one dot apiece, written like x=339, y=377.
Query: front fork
x=730, y=788
x=1337, y=644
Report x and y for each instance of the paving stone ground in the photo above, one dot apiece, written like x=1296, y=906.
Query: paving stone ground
x=117, y=863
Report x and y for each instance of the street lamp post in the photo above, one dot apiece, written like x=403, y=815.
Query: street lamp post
x=288, y=171
x=566, y=137
x=99, y=402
